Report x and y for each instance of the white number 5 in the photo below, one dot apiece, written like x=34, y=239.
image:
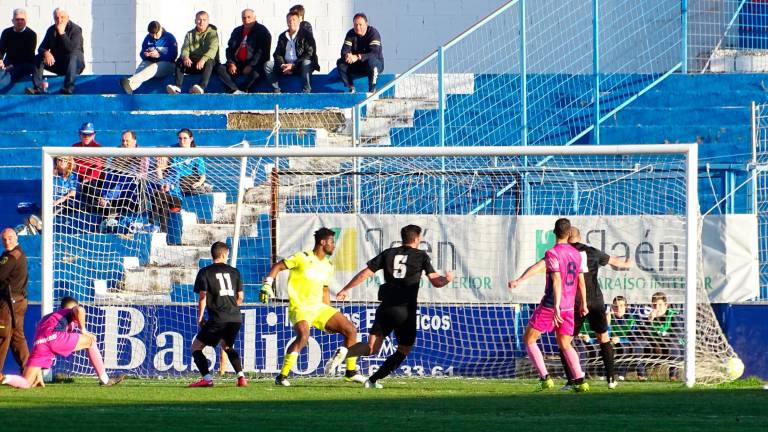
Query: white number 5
x=398, y=270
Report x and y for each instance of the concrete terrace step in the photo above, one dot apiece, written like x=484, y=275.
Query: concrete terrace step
x=71, y=121
x=156, y=137
x=110, y=84
x=697, y=82
x=714, y=139
x=712, y=97
x=177, y=103
x=472, y=136
x=674, y=116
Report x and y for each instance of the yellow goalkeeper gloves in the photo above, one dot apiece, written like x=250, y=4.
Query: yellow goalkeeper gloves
x=266, y=290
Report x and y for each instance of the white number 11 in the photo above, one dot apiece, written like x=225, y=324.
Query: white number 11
x=225, y=285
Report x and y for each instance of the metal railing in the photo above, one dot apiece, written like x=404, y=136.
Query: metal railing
x=553, y=71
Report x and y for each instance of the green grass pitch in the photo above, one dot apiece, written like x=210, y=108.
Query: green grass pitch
x=313, y=405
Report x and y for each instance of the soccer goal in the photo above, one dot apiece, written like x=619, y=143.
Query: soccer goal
x=129, y=246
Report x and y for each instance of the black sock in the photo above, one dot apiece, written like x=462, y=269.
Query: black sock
x=390, y=364
x=606, y=351
x=201, y=362
x=358, y=349
x=566, y=369
x=234, y=359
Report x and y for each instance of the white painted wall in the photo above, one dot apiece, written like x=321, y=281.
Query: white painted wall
x=113, y=29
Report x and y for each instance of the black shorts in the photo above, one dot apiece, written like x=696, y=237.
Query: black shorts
x=596, y=317
x=212, y=333
x=401, y=319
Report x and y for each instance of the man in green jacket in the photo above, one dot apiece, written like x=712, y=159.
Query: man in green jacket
x=198, y=55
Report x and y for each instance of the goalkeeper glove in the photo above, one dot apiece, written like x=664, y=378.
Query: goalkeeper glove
x=266, y=290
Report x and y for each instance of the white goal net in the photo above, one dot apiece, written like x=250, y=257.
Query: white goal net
x=131, y=241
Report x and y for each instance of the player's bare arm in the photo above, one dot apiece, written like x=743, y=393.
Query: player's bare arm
x=79, y=316
x=557, y=292
x=539, y=267
x=583, y=294
x=276, y=268
x=617, y=262
x=359, y=278
x=326, y=295
x=439, y=281
x=201, y=308
x=240, y=298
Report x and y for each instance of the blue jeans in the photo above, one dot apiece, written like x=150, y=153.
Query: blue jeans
x=370, y=68
x=70, y=66
x=13, y=73
x=303, y=68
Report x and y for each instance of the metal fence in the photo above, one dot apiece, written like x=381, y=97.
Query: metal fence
x=760, y=184
x=727, y=35
x=553, y=71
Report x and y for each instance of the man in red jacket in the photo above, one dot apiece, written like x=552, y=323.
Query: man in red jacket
x=89, y=169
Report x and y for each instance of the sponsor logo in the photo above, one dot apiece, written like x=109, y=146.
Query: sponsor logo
x=545, y=240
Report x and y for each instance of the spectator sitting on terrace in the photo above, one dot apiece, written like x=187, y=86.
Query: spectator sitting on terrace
x=293, y=55
x=306, y=26
x=247, y=51
x=18, y=45
x=361, y=54
x=189, y=173
x=65, y=183
x=136, y=166
x=164, y=194
x=61, y=52
x=89, y=169
x=198, y=55
x=122, y=180
x=158, y=54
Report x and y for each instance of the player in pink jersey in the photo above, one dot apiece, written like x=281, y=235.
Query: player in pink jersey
x=565, y=278
x=57, y=333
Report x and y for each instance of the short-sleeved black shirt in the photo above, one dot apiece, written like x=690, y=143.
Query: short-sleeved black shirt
x=222, y=283
x=595, y=259
x=403, y=267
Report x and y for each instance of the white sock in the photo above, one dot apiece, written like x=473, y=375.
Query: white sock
x=208, y=377
x=104, y=378
x=240, y=374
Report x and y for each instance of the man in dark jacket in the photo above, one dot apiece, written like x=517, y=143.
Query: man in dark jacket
x=247, y=51
x=13, y=299
x=17, y=50
x=61, y=53
x=361, y=54
x=293, y=55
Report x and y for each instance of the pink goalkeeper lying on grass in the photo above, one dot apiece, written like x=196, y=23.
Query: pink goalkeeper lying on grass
x=61, y=332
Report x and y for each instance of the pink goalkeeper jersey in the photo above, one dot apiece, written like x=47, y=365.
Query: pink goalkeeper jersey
x=61, y=320
x=566, y=260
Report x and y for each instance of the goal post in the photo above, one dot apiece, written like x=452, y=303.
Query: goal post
x=299, y=188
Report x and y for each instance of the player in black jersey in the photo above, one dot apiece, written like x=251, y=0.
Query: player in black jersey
x=595, y=303
x=402, y=267
x=220, y=293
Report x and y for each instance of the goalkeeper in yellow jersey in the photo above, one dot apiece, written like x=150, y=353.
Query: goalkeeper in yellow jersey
x=310, y=272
